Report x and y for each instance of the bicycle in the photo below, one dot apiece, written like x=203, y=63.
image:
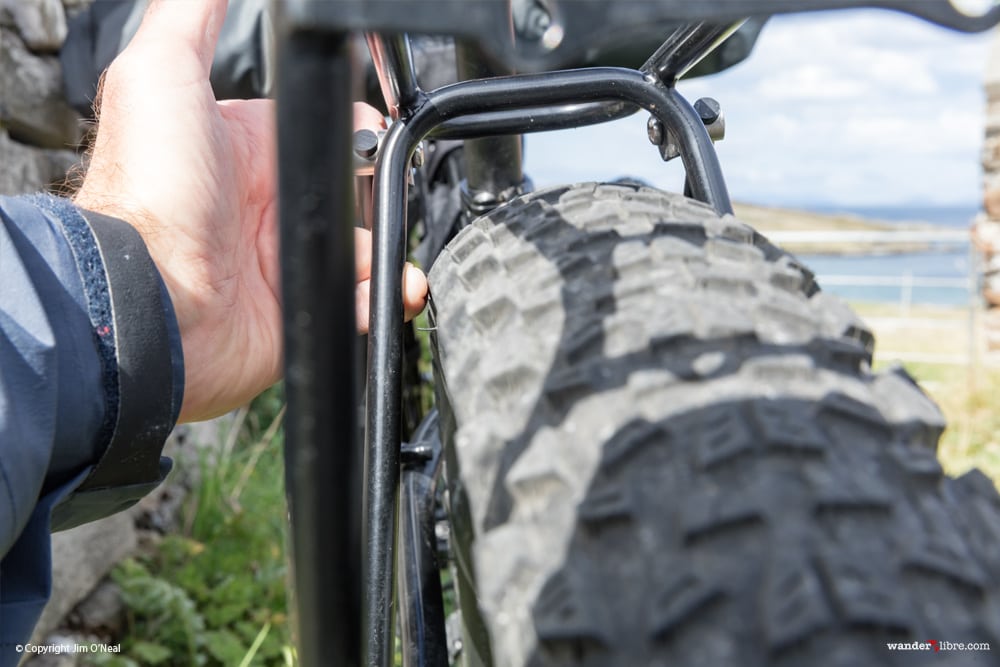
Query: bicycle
x=654, y=426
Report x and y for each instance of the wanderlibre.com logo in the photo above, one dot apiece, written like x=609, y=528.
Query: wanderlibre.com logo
x=938, y=646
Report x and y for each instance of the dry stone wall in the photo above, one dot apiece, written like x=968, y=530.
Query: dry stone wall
x=39, y=132
x=986, y=233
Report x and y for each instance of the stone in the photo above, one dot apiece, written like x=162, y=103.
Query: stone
x=991, y=152
x=991, y=284
x=81, y=557
x=993, y=115
x=76, y=5
x=986, y=234
x=32, y=106
x=986, y=239
x=26, y=169
x=991, y=201
x=992, y=77
x=41, y=23
x=102, y=612
x=67, y=657
x=992, y=328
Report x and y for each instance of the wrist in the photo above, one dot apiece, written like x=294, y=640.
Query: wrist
x=146, y=374
x=144, y=224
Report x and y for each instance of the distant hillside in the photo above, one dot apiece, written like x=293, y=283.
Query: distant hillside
x=767, y=220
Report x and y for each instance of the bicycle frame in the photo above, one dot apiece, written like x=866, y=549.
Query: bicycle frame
x=344, y=551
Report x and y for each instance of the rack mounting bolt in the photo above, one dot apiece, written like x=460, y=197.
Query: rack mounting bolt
x=365, y=143
x=708, y=110
x=654, y=130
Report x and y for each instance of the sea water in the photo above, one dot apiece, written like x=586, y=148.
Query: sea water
x=952, y=261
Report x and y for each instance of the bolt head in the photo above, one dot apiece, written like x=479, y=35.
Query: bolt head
x=654, y=130
x=365, y=143
x=418, y=156
x=708, y=110
x=484, y=199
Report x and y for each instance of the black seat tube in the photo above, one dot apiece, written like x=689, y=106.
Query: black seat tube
x=492, y=164
x=322, y=452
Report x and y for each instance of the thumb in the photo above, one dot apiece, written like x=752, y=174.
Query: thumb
x=173, y=25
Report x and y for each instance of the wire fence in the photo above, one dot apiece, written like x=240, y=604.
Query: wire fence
x=915, y=332
x=906, y=283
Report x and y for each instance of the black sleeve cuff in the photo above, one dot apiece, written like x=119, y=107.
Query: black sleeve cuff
x=149, y=379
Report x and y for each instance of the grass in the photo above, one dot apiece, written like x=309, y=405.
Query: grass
x=214, y=593
x=969, y=402
x=967, y=392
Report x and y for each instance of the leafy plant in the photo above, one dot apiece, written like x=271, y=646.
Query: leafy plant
x=215, y=594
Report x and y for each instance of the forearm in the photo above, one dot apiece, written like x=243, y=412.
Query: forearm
x=83, y=320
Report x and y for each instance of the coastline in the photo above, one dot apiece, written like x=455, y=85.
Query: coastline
x=767, y=220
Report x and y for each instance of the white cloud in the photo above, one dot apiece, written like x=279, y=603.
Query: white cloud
x=811, y=82
x=895, y=71
x=837, y=56
x=865, y=107
x=937, y=135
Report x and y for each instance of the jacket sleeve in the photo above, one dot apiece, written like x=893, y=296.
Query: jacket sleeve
x=91, y=382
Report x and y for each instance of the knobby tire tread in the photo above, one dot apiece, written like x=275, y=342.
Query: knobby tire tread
x=671, y=449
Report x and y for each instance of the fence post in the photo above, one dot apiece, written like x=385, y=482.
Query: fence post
x=906, y=293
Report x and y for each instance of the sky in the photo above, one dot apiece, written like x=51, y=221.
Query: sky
x=855, y=108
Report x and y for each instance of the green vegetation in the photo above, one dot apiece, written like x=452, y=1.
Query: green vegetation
x=215, y=593
x=969, y=399
x=967, y=391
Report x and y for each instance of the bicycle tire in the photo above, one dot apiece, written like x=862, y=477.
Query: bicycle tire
x=665, y=445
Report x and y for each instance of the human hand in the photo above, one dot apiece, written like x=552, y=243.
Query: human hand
x=197, y=179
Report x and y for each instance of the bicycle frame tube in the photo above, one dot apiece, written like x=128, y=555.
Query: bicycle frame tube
x=530, y=92
x=590, y=24
x=685, y=48
x=397, y=76
x=421, y=607
x=519, y=121
x=493, y=170
x=322, y=448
